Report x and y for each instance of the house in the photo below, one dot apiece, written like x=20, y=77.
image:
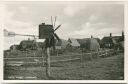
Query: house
x=73, y=42
x=119, y=42
x=89, y=44
x=94, y=45
x=83, y=42
x=107, y=42
x=73, y=45
x=62, y=44
x=14, y=47
x=27, y=44
x=112, y=41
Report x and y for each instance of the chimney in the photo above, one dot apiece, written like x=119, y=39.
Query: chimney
x=110, y=34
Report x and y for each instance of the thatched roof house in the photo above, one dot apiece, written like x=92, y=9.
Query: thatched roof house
x=73, y=42
x=27, y=44
x=107, y=42
x=89, y=43
x=61, y=44
x=94, y=45
x=14, y=47
x=112, y=41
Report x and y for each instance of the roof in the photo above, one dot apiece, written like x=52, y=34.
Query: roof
x=62, y=43
x=73, y=42
x=14, y=46
x=118, y=38
x=82, y=41
x=98, y=40
x=107, y=40
x=94, y=45
x=89, y=43
x=27, y=42
x=113, y=39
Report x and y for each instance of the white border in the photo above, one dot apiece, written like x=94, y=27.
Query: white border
x=63, y=81
x=71, y=81
x=126, y=44
x=1, y=41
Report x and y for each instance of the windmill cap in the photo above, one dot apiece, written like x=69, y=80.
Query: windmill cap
x=43, y=23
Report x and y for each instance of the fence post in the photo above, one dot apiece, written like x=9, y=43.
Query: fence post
x=81, y=59
x=48, y=62
x=98, y=54
x=91, y=56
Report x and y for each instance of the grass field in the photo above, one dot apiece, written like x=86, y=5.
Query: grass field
x=108, y=68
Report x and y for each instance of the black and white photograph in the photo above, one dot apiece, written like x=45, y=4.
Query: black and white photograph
x=63, y=40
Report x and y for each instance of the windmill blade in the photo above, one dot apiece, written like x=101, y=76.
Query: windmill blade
x=56, y=36
x=57, y=28
x=51, y=21
x=55, y=21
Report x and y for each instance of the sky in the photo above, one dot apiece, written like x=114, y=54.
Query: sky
x=77, y=19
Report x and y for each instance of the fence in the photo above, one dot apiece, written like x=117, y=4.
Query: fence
x=41, y=60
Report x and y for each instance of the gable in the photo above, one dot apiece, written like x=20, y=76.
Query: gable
x=74, y=42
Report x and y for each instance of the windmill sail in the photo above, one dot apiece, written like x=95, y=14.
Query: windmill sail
x=56, y=36
x=57, y=27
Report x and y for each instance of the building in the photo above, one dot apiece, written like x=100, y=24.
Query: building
x=73, y=42
x=89, y=44
x=14, y=47
x=112, y=41
x=27, y=44
x=61, y=44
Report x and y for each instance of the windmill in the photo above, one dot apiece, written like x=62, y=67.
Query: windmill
x=47, y=32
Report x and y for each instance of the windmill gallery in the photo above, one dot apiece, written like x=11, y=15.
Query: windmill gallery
x=56, y=58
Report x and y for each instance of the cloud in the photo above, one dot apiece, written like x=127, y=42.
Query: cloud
x=23, y=9
x=96, y=29
x=93, y=18
x=72, y=10
x=17, y=25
